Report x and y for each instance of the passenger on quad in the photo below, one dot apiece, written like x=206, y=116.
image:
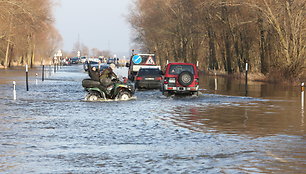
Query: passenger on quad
x=107, y=76
x=93, y=73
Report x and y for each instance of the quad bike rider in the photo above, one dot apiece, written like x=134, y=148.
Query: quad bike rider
x=105, y=85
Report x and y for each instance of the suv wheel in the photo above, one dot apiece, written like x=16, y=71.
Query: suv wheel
x=185, y=78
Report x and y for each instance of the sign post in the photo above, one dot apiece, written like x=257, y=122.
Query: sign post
x=59, y=55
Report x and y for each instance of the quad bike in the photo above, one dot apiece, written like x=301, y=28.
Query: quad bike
x=117, y=90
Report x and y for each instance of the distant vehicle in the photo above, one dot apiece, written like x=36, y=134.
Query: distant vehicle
x=66, y=62
x=83, y=59
x=91, y=62
x=148, y=78
x=112, y=60
x=94, y=59
x=75, y=60
x=180, y=78
x=138, y=61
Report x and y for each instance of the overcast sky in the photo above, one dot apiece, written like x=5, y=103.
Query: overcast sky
x=98, y=24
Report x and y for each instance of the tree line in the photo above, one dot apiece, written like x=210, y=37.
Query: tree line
x=27, y=32
x=88, y=52
x=224, y=35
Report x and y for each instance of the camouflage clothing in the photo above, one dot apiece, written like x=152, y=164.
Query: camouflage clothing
x=106, y=77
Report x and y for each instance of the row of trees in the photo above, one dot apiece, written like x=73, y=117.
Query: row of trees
x=86, y=51
x=270, y=35
x=27, y=33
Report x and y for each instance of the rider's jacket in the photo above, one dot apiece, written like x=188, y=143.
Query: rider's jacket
x=94, y=75
x=106, y=76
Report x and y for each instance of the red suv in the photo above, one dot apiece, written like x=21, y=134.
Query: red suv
x=180, y=78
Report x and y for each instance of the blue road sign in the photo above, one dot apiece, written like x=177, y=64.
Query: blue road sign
x=137, y=59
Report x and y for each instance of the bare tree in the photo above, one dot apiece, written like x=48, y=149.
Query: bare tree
x=225, y=34
x=29, y=26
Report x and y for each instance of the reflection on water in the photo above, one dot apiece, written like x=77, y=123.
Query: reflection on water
x=50, y=129
x=302, y=117
x=252, y=118
x=18, y=74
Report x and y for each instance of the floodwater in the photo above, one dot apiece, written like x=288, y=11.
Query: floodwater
x=51, y=129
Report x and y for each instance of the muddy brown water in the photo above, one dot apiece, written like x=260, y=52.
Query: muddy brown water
x=50, y=129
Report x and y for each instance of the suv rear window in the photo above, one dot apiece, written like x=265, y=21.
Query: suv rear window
x=177, y=69
x=145, y=72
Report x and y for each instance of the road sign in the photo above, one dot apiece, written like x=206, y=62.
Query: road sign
x=137, y=59
x=79, y=53
x=150, y=61
x=59, y=53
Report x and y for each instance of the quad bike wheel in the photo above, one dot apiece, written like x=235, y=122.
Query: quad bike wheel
x=91, y=97
x=124, y=95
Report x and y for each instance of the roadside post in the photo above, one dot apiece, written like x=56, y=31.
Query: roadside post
x=57, y=58
x=14, y=90
x=246, y=78
x=36, y=79
x=43, y=72
x=54, y=64
x=216, y=82
x=27, y=77
x=302, y=94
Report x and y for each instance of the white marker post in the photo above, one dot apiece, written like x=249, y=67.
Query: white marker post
x=216, y=82
x=302, y=95
x=246, y=78
x=14, y=90
x=36, y=80
x=27, y=77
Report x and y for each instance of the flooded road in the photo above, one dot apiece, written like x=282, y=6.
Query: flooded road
x=51, y=129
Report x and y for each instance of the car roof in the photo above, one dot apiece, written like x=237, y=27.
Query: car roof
x=155, y=68
x=180, y=63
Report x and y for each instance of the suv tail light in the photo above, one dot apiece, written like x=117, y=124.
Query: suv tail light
x=158, y=78
x=166, y=81
x=139, y=78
